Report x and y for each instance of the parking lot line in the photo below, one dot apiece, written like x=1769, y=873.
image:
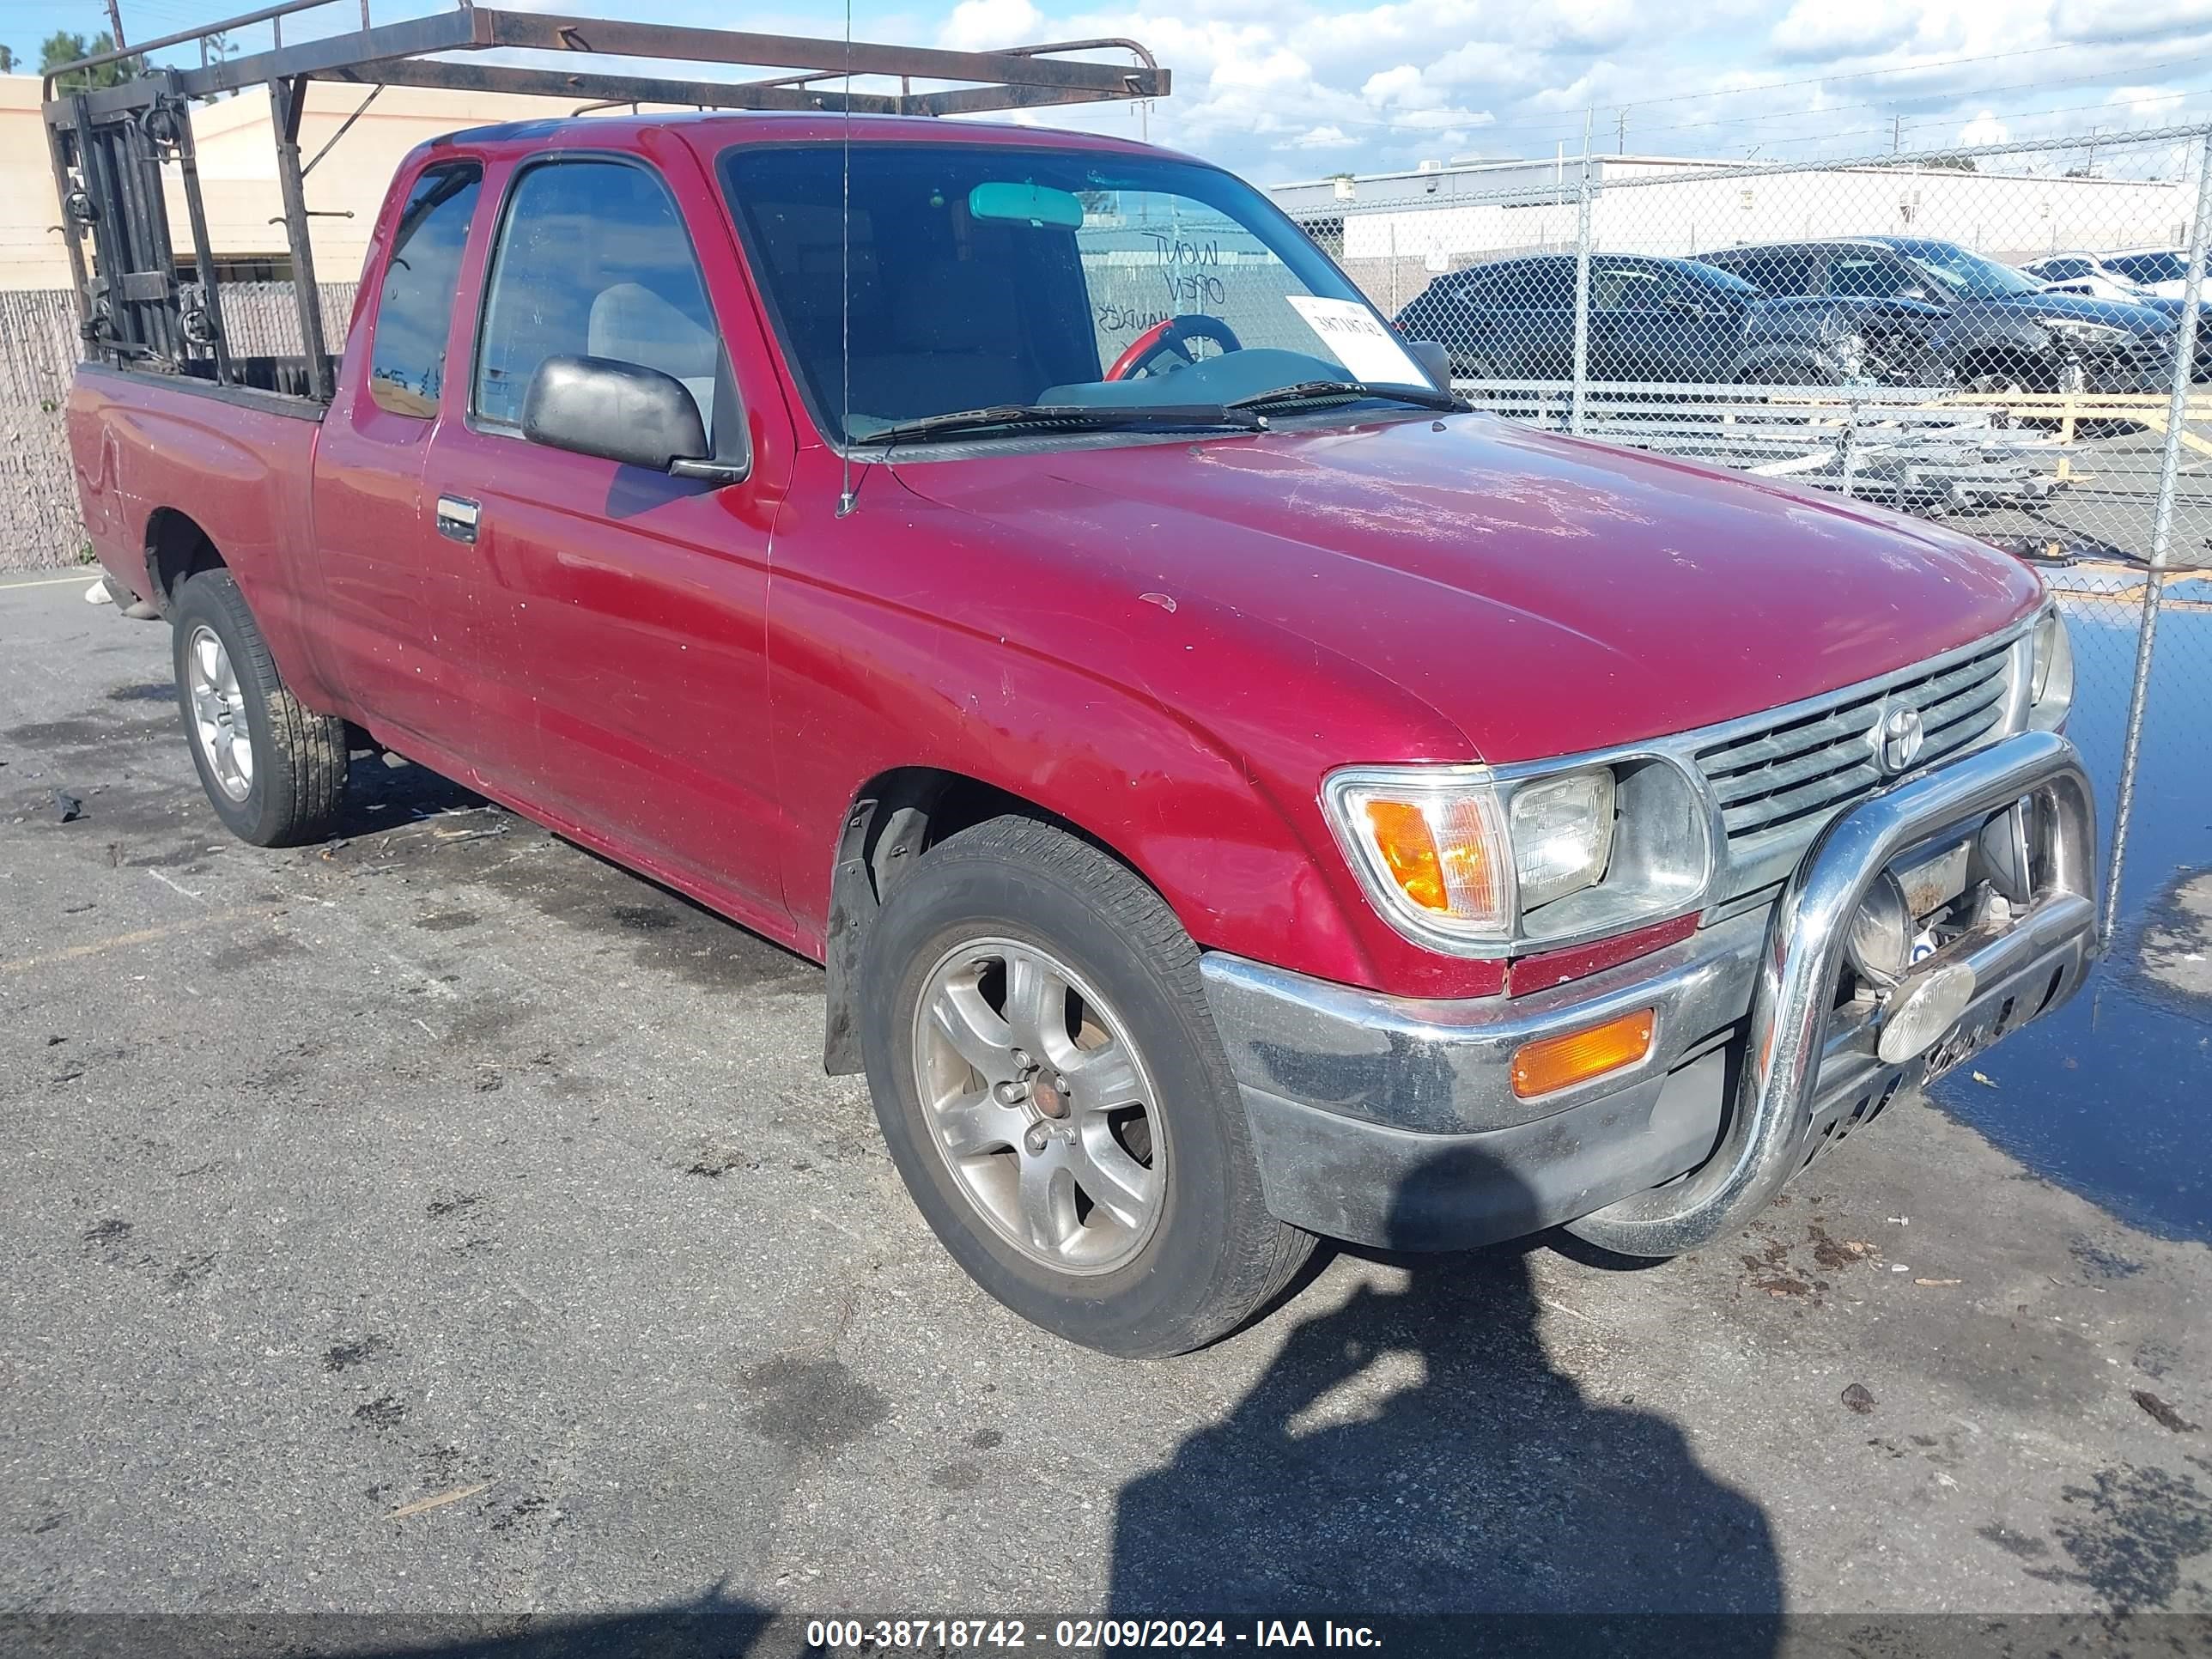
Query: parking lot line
x=123, y=941
x=48, y=581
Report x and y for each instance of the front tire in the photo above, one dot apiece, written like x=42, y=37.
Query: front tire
x=1050, y=1083
x=274, y=771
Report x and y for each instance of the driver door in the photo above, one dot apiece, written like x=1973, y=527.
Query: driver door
x=634, y=652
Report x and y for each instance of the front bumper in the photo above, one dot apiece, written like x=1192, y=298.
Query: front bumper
x=1393, y=1122
x=2144, y=365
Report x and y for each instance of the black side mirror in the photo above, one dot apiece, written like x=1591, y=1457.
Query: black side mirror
x=622, y=412
x=1435, y=360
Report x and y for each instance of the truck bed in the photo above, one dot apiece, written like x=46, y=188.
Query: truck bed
x=287, y=376
x=163, y=460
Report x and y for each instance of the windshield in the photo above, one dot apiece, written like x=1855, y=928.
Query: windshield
x=1966, y=273
x=986, y=275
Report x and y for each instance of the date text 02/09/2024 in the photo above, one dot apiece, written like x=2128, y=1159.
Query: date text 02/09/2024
x=982, y=1635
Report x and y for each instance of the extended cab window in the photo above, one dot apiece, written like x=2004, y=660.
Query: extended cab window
x=593, y=261
x=414, y=308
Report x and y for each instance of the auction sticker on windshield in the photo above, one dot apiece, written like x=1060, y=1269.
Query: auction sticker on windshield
x=1357, y=339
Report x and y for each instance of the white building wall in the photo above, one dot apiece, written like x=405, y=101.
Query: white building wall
x=1641, y=209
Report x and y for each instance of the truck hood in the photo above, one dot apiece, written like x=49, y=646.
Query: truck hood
x=1545, y=595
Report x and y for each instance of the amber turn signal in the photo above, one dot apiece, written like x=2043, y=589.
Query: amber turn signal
x=1446, y=873
x=1550, y=1063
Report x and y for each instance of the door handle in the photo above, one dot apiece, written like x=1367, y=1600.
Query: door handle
x=457, y=518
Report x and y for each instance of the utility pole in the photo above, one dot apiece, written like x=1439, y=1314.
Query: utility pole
x=1621, y=141
x=1896, y=134
x=115, y=22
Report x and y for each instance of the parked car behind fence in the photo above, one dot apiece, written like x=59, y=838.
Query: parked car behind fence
x=2162, y=271
x=1650, y=319
x=2089, y=275
x=1991, y=328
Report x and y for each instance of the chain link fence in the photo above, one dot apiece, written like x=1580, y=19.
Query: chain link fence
x=2005, y=339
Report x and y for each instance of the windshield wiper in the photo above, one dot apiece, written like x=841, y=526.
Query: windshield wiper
x=1074, y=417
x=1313, y=391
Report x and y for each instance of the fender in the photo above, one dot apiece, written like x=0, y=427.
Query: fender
x=1088, y=721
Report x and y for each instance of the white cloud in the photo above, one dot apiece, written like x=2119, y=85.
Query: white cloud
x=1985, y=129
x=979, y=24
x=2150, y=105
x=1816, y=30
x=1281, y=67
x=1271, y=87
x=1401, y=85
x=2130, y=20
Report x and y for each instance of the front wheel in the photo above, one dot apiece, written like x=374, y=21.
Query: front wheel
x=274, y=771
x=1050, y=1085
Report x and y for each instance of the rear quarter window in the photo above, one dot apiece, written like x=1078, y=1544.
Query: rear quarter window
x=415, y=305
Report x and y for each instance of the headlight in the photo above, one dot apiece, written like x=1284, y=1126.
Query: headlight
x=2050, y=672
x=2081, y=331
x=1477, y=862
x=1561, y=830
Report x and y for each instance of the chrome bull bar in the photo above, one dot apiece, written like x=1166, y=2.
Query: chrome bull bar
x=1762, y=1145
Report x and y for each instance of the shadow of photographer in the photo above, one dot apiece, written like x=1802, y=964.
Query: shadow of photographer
x=1414, y=1451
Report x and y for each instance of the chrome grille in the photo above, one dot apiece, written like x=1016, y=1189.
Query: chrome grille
x=1792, y=774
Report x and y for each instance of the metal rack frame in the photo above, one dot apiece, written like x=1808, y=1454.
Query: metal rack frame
x=109, y=145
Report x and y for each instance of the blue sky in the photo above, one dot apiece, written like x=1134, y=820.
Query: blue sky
x=1283, y=90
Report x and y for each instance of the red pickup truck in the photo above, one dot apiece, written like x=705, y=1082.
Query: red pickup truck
x=1238, y=793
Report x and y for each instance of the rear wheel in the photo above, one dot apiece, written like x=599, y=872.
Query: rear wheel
x=274, y=771
x=1051, y=1087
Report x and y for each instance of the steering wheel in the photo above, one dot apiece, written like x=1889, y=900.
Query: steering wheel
x=1169, y=339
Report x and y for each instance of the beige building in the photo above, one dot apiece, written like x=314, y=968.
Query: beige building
x=238, y=174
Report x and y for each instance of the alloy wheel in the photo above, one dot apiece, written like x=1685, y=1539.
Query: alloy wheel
x=219, y=713
x=1040, y=1104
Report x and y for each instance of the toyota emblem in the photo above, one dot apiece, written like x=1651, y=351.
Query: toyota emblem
x=1896, y=739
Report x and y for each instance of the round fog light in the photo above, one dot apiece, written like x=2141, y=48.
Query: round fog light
x=1880, y=939
x=1924, y=1010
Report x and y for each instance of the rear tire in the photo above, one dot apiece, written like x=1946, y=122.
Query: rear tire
x=1155, y=1239
x=274, y=771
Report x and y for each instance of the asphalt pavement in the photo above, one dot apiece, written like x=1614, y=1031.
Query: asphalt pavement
x=445, y=1221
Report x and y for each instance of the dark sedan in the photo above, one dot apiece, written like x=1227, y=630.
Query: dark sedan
x=1991, y=329
x=1650, y=319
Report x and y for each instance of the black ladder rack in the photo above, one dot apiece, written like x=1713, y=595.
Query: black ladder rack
x=109, y=144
